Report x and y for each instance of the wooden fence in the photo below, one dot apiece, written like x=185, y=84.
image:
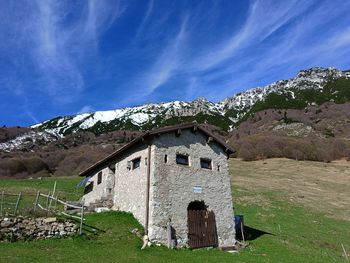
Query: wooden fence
x=51, y=206
x=6, y=205
x=9, y=204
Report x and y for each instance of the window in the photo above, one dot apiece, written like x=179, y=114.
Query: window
x=112, y=167
x=219, y=168
x=182, y=159
x=99, y=178
x=206, y=163
x=136, y=163
x=165, y=158
x=89, y=188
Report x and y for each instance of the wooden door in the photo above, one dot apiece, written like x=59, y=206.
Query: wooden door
x=202, y=229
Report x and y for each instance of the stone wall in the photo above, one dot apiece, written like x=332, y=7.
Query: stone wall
x=130, y=184
x=103, y=191
x=173, y=186
x=19, y=228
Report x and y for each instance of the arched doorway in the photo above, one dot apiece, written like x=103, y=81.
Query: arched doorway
x=201, y=225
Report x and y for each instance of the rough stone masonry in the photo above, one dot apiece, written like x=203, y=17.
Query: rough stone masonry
x=19, y=228
x=160, y=176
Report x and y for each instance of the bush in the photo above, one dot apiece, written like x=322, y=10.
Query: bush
x=9, y=167
x=247, y=152
x=34, y=165
x=257, y=147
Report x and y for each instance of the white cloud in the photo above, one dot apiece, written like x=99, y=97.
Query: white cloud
x=145, y=18
x=263, y=19
x=55, y=38
x=167, y=63
x=86, y=109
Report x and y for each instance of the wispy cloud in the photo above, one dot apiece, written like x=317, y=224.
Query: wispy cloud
x=291, y=52
x=86, y=109
x=145, y=19
x=167, y=63
x=97, y=54
x=263, y=19
x=56, y=37
x=60, y=47
x=275, y=35
x=31, y=116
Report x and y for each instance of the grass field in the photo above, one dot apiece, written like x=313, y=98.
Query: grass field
x=294, y=212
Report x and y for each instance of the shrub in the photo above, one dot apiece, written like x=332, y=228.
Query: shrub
x=247, y=152
x=261, y=146
x=34, y=165
x=9, y=167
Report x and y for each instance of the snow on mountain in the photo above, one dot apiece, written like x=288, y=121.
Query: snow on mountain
x=314, y=78
x=26, y=140
x=231, y=110
x=137, y=116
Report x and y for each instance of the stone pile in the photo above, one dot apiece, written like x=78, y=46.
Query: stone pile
x=19, y=228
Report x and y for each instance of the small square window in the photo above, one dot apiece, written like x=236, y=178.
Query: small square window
x=182, y=159
x=89, y=188
x=99, y=178
x=112, y=167
x=206, y=163
x=136, y=163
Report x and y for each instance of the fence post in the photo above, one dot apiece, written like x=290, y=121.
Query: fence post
x=17, y=203
x=53, y=194
x=47, y=203
x=36, y=200
x=56, y=202
x=1, y=203
x=81, y=219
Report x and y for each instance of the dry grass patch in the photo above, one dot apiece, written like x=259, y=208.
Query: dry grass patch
x=323, y=187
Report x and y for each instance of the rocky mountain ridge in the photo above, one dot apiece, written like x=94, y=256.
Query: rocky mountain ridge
x=229, y=111
x=304, y=118
x=312, y=86
x=310, y=79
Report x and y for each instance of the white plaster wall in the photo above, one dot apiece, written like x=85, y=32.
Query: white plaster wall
x=102, y=191
x=172, y=186
x=130, y=185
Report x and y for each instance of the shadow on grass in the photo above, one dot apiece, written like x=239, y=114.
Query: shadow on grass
x=89, y=228
x=251, y=233
x=92, y=229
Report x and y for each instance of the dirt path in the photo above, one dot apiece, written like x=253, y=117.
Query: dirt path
x=324, y=187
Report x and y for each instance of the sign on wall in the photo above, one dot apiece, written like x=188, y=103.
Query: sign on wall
x=197, y=189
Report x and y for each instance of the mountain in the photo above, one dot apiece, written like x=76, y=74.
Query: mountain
x=310, y=87
x=306, y=118
x=317, y=133
x=136, y=118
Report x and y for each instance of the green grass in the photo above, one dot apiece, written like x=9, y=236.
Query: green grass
x=297, y=234
x=66, y=190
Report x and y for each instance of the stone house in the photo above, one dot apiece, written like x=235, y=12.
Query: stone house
x=174, y=180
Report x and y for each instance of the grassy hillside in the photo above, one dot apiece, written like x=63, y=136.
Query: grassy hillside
x=294, y=212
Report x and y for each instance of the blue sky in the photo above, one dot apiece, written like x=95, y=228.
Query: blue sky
x=64, y=57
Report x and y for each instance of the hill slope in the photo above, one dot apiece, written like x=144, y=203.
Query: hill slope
x=291, y=214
